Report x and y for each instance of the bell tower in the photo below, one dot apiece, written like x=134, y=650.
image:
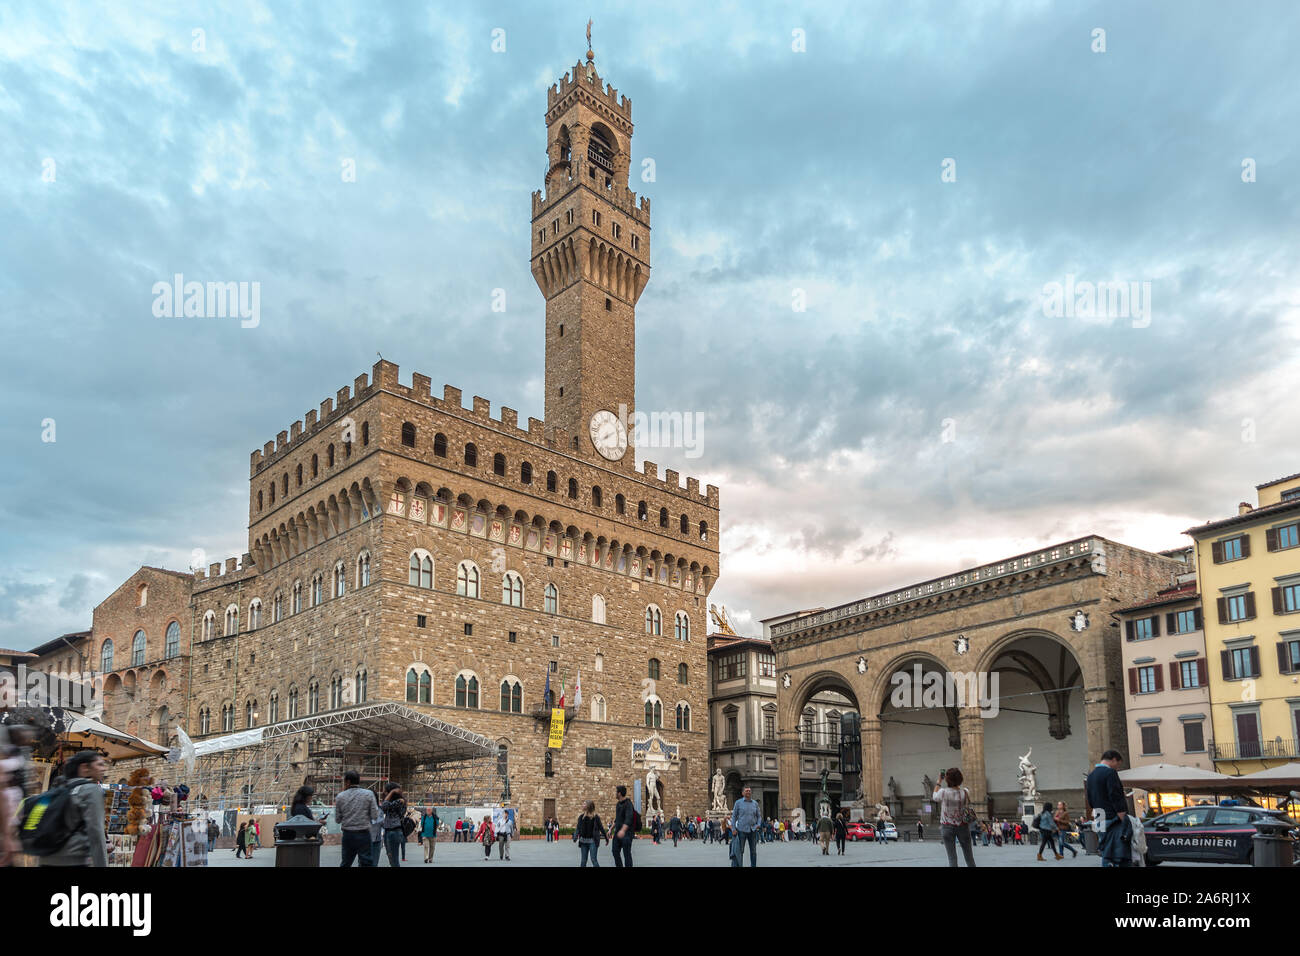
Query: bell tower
x=591, y=259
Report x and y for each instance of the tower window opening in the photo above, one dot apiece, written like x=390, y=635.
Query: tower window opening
x=609, y=304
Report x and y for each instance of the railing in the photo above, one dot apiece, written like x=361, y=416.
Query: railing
x=1255, y=750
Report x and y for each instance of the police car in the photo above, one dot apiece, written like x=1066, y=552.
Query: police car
x=1206, y=834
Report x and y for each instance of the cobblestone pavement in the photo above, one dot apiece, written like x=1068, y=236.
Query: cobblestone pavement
x=696, y=854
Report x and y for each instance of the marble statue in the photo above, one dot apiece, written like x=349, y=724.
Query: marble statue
x=826, y=781
x=882, y=813
x=653, y=805
x=719, y=791
x=927, y=785
x=1028, y=777
x=895, y=791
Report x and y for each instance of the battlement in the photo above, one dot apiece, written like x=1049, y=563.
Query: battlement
x=384, y=377
x=628, y=202
x=234, y=571
x=577, y=79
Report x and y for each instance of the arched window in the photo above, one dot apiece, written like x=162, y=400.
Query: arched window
x=512, y=696
x=272, y=490
x=512, y=590
x=336, y=692
x=408, y=435
x=595, y=496
x=526, y=473
x=440, y=445
x=362, y=685
x=471, y=455
x=313, y=697
x=620, y=504
x=683, y=716
x=249, y=719
x=552, y=600
x=467, y=690
x=467, y=578
x=254, y=614
x=807, y=729
x=137, y=649
x=315, y=465
x=573, y=488
x=682, y=628
x=284, y=486
x=598, y=708
x=552, y=481
x=209, y=626
x=317, y=590
x=426, y=688
x=642, y=512
x=597, y=609
x=340, y=579
x=663, y=517
x=293, y=703
x=144, y=595
x=232, y=620
x=686, y=525
x=412, y=683
x=652, y=669
x=273, y=708
x=420, y=570
x=259, y=501
x=205, y=720
x=277, y=607
x=600, y=663
x=365, y=435
x=499, y=464
x=106, y=656
x=704, y=531
x=298, y=475
x=329, y=457
x=654, y=713
x=683, y=672
x=173, y=641
x=228, y=718
x=653, y=620
x=297, y=597
x=363, y=569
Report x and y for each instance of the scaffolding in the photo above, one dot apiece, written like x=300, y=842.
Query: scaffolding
x=435, y=762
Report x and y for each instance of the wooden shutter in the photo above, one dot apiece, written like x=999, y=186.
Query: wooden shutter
x=1175, y=681
x=1277, y=600
x=1132, y=680
x=1283, y=658
x=1250, y=605
x=1216, y=552
x=1226, y=658
x=1160, y=678
x=1171, y=625
x=1128, y=630
x=1255, y=670
x=1270, y=538
x=1245, y=546
x=1155, y=625
x=1222, y=604
x=1202, y=672
x=1200, y=620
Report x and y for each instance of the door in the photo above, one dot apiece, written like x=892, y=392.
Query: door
x=548, y=810
x=1247, y=735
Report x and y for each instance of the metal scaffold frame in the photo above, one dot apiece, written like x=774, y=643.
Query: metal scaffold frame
x=434, y=761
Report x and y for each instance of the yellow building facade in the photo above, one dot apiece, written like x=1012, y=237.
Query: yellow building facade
x=1248, y=568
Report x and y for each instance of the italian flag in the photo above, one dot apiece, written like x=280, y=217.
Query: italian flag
x=561, y=693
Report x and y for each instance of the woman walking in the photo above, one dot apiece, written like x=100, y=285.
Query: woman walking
x=1047, y=833
x=953, y=800
x=241, y=841
x=394, y=809
x=1062, y=817
x=300, y=805
x=841, y=832
x=588, y=832
x=486, y=837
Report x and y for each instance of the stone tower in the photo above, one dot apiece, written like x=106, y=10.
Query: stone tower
x=591, y=259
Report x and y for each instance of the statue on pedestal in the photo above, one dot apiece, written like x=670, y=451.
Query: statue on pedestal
x=895, y=791
x=653, y=806
x=1028, y=777
x=719, y=791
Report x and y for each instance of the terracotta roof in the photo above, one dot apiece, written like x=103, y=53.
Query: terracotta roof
x=1277, y=481
x=1267, y=511
x=1184, y=592
x=717, y=642
x=10, y=652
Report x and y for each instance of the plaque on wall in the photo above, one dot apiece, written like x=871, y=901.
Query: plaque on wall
x=636, y=566
x=397, y=503
x=663, y=574
x=582, y=552
x=459, y=520
x=438, y=514
x=478, y=524
x=516, y=535
x=419, y=509
x=690, y=581
x=609, y=559
x=677, y=577
x=566, y=549
x=534, y=542
x=497, y=530
x=548, y=544
x=620, y=563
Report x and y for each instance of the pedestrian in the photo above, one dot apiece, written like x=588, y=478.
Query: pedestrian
x=299, y=805
x=460, y=824
x=824, y=830
x=394, y=836
x=675, y=828
x=745, y=818
x=355, y=810
x=501, y=826
x=986, y=830
x=1046, y=824
x=1105, y=793
x=486, y=837
x=80, y=798
x=623, y=828
x=588, y=832
x=241, y=841
x=429, y=832
x=654, y=831
x=920, y=832
x=1062, y=817
x=214, y=831
x=954, y=802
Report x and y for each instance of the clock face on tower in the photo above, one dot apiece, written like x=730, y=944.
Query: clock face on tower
x=608, y=435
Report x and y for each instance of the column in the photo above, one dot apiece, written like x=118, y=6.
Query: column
x=873, y=770
x=971, y=727
x=787, y=748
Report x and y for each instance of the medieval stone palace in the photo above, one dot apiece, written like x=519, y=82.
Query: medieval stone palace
x=406, y=548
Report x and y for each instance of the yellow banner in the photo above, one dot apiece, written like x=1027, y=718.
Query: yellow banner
x=557, y=728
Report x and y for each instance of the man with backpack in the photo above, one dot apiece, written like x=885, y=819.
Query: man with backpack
x=625, y=825
x=65, y=826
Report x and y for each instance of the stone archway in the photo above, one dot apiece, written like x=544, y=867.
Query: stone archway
x=808, y=746
x=917, y=733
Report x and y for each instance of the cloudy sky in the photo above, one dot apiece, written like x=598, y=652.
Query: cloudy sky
x=914, y=175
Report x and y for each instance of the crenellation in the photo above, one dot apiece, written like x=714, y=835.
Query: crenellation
x=281, y=439
x=693, y=487
x=712, y=497
x=384, y=374
x=482, y=408
x=214, y=570
x=672, y=480
x=359, y=384
x=421, y=388
x=309, y=421
x=295, y=431
x=650, y=470
x=536, y=431
x=342, y=398
x=509, y=417
x=326, y=409
x=451, y=396
x=268, y=449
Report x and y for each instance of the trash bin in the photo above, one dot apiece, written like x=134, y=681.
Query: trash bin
x=1274, y=845
x=1091, y=843
x=298, y=842
x=907, y=836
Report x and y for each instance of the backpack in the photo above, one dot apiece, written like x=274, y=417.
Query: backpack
x=408, y=826
x=1038, y=822
x=43, y=822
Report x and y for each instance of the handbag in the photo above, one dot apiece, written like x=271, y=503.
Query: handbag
x=967, y=814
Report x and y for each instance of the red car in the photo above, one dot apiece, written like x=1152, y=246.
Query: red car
x=861, y=831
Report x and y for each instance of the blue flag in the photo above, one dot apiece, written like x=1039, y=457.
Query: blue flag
x=547, y=695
